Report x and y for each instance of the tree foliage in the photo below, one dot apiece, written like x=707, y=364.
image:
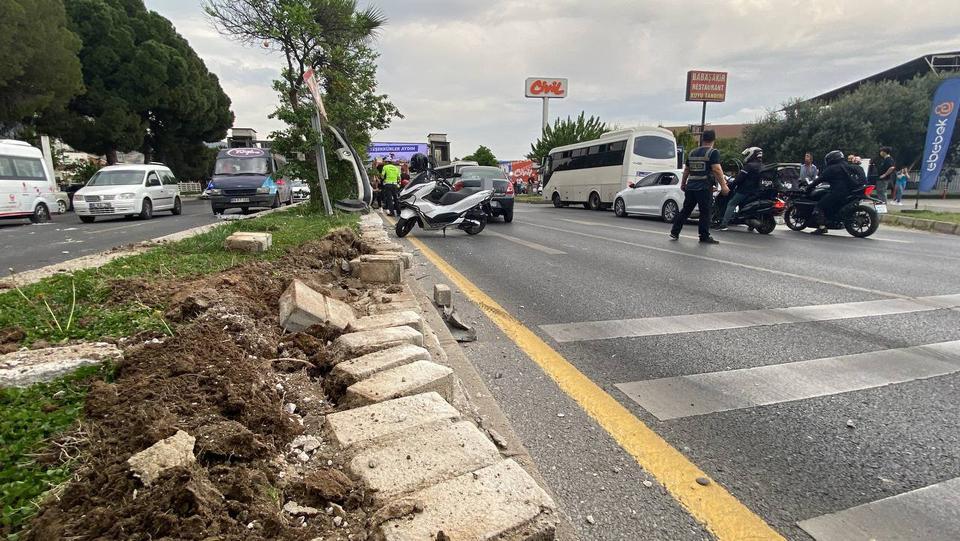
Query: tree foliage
x=332, y=37
x=146, y=89
x=887, y=113
x=40, y=68
x=483, y=156
x=566, y=132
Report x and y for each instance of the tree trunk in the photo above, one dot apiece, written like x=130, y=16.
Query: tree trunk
x=112, y=156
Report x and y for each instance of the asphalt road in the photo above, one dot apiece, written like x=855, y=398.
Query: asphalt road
x=26, y=246
x=792, y=442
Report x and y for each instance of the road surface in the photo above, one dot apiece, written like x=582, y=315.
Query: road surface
x=824, y=398
x=25, y=246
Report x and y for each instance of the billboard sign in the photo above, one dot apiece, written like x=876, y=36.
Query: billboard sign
x=707, y=86
x=943, y=118
x=545, y=87
x=522, y=169
x=396, y=151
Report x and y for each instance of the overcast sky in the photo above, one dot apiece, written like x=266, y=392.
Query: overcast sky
x=458, y=66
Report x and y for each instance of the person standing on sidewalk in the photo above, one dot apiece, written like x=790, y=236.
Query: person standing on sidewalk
x=902, y=177
x=390, y=188
x=887, y=172
x=700, y=173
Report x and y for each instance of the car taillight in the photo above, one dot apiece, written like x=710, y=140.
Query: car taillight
x=869, y=190
x=458, y=185
x=779, y=204
x=509, y=188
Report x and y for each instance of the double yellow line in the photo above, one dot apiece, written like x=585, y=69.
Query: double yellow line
x=722, y=514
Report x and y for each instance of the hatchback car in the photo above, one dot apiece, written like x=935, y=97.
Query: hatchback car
x=128, y=190
x=657, y=194
x=489, y=178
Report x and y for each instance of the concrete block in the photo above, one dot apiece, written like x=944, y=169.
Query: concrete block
x=409, y=318
x=360, y=343
x=349, y=372
x=365, y=425
x=407, y=260
x=407, y=380
x=387, y=247
x=422, y=456
x=302, y=307
x=379, y=269
x=249, y=242
x=177, y=450
x=497, y=502
x=442, y=295
x=401, y=306
x=944, y=227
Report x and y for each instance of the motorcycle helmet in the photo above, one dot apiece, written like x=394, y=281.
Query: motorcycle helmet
x=834, y=156
x=419, y=163
x=751, y=154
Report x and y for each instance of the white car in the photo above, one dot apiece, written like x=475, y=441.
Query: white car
x=300, y=189
x=128, y=190
x=657, y=194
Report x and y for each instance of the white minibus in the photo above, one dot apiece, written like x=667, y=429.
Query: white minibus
x=27, y=188
x=592, y=172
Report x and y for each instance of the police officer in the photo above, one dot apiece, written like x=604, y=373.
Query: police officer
x=391, y=188
x=701, y=172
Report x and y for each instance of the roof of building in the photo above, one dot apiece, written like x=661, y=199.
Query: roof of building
x=935, y=62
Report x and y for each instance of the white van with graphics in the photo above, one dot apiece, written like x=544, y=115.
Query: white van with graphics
x=27, y=188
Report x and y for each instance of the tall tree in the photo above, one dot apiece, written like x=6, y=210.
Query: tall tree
x=483, y=156
x=40, y=68
x=566, y=132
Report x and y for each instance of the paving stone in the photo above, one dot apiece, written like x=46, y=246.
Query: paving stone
x=24, y=368
x=349, y=372
x=442, y=295
x=400, y=306
x=378, y=269
x=406, y=380
x=302, y=307
x=384, y=321
x=360, y=343
x=249, y=242
x=497, y=502
x=365, y=425
x=422, y=456
x=407, y=260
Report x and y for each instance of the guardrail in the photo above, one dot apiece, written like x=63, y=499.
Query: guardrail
x=190, y=187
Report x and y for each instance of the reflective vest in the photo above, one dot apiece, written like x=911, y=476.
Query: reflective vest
x=391, y=174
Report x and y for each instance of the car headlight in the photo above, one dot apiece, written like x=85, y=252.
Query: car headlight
x=263, y=189
x=215, y=191
x=127, y=196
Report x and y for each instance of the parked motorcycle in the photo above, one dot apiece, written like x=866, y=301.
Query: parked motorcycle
x=759, y=212
x=860, y=219
x=432, y=204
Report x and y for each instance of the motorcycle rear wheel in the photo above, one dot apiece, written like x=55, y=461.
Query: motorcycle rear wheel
x=767, y=225
x=863, y=222
x=474, y=229
x=403, y=227
x=794, y=222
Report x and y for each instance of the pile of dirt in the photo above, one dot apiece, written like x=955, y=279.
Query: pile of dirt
x=245, y=392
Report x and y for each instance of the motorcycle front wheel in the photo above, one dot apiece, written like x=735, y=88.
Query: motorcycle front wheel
x=792, y=219
x=404, y=226
x=767, y=225
x=863, y=222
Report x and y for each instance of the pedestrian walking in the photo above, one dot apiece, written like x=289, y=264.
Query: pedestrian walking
x=391, y=188
x=902, y=177
x=808, y=171
x=886, y=173
x=701, y=173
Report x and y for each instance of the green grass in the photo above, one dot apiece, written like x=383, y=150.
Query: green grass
x=952, y=217
x=73, y=306
x=532, y=198
x=28, y=418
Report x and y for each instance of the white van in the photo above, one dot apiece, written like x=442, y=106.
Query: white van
x=593, y=172
x=27, y=188
x=128, y=190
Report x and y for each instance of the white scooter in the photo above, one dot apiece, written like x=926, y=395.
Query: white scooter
x=420, y=205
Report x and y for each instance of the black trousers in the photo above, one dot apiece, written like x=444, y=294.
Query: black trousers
x=702, y=199
x=391, y=201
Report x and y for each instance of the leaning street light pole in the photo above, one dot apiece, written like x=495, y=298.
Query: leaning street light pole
x=545, y=88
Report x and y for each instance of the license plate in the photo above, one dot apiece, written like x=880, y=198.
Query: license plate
x=240, y=200
x=101, y=205
x=881, y=208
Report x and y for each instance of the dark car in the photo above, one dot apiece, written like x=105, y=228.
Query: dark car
x=245, y=178
x=489, y=178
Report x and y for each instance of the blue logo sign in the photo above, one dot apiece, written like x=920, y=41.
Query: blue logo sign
x=943, y=118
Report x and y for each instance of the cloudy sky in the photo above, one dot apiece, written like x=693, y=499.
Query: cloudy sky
x=458, y=66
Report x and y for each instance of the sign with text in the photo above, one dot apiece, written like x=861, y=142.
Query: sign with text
x=707, y=86
x=943, y=118
x=395, y=151
x=545, y=87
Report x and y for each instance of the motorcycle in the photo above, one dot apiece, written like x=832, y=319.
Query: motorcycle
x=859, y=219
x=432, y=204
x=759, y=212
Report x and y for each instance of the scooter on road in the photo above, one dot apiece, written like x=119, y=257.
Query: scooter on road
x=432, y=204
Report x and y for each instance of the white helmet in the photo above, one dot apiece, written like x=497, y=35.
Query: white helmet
x=751, y=154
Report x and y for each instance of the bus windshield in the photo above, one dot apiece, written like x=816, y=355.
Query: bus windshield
x=242, y=166
x=655, y=147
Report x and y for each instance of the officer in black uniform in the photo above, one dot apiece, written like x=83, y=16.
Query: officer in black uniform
x=701, y=172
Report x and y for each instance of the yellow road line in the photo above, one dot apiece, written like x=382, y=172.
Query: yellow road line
x=714, y=507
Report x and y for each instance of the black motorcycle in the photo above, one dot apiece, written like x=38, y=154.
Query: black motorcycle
x=760, y=212
x=859, y=218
